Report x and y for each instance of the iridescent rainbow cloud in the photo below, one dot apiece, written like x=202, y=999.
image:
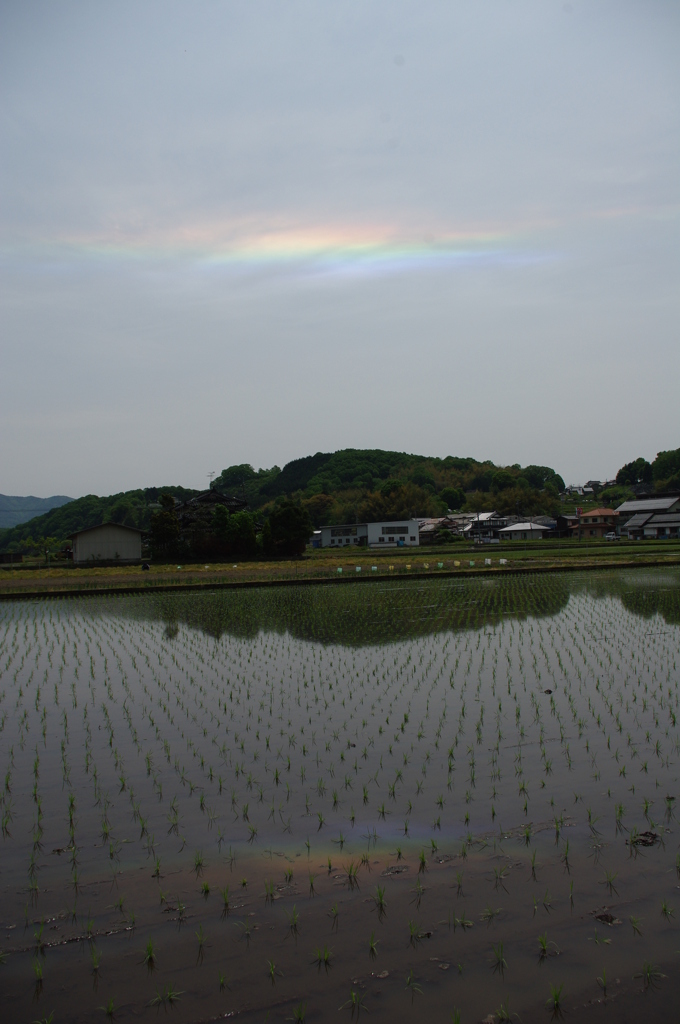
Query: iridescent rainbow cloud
x=328, y=250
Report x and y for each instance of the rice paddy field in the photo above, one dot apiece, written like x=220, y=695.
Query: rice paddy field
x=454, y=799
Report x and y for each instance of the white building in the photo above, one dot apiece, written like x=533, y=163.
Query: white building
x=524, y=531
x=109, y=542
x=378, y=535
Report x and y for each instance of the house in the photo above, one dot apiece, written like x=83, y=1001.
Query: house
x=485, y=528
x=429, y=528
x=596, y=523
x=403, y=534
x=662, y=526
x=563, y=525
x=524, y=531
x=109, y=542
x=663, y=503
x=633, y=528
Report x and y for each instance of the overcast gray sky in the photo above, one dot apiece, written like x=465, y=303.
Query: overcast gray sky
x=250, y=231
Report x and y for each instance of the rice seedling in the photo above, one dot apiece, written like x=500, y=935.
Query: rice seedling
x=489, y=914
x=500, y=874
x=650, y=974
x=109, y=1010
x=415, y=934
x=272, y=971
x=149, y=957
x=609, y=880
x=555, y=1003
x=166, y=997
x=602, y=982
x=412, y=985
x=299, y=1014
x=224, y=893
x=635, y=925
x=355, y=1003
x=667, y=912
x=323, y=957
x=498, y=962
x=380, y=901
x=418, y=892
x=293, y=919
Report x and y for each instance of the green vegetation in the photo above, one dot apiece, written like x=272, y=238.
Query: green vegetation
x=51, y=530
x=352, y=485
x=365, y=485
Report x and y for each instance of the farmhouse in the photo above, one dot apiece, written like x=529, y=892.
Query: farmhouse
x=524, y=531
x=662, y=526
x=665, y=503
x=402, y=534
x=109, y=542
x=636, y=517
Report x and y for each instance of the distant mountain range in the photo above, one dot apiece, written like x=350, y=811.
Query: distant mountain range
x=15, y=509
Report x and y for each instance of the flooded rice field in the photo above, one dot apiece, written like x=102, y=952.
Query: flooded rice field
x=453, y=799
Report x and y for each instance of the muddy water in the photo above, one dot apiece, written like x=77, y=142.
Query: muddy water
x=428, y=778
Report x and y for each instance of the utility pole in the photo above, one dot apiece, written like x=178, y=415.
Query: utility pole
x=210, y=476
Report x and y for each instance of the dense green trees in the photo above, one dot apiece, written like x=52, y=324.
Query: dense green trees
x=235, y=534
x=165, y=532
x=636, y=472
x=129, y=508
x=666, y=469
x=345, y=486
x=287, y=529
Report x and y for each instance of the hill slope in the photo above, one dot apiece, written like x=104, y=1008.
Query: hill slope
x=346, y=486
x=131, y=508
x=15, y=509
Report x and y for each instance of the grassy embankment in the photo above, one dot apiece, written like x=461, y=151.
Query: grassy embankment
x=324, y=565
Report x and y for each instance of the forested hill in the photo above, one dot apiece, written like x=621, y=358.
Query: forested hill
x=370, y=484
x=15, y=509
x=334, y=486
x=349, y=486
x=54, y=527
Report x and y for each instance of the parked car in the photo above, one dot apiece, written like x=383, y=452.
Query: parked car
x=611, y=536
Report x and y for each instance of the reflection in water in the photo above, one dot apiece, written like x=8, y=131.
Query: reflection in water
x=400, y=610
x=361, y=615
x=499, y=751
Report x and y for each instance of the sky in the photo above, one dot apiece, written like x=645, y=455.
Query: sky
x=246, y=231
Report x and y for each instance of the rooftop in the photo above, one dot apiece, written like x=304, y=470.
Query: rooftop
x=524, y=527
x=599, y=512
x=119, y=526
x=650, y=504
